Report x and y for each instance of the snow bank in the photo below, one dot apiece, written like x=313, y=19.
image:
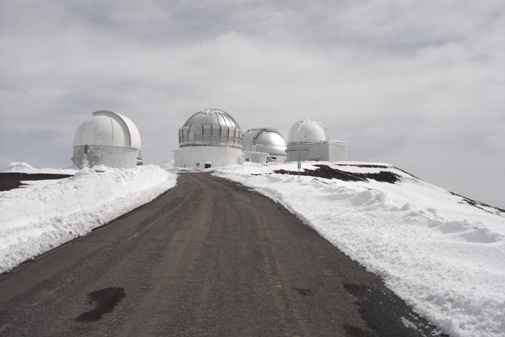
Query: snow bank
x=443, y=256
x=442, y=253
x=39, y=217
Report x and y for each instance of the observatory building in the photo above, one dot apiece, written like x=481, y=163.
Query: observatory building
x=307, y=141
x=107, y=138
x=264, y=145
x=209, y=138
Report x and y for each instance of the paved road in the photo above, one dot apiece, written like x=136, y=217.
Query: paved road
x=207, y=258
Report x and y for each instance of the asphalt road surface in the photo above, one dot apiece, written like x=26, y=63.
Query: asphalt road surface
x=207, y=258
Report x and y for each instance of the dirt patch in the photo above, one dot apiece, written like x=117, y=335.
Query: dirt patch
x=324, y=171
x=11, y=180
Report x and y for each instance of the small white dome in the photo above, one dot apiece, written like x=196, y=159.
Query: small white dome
x=307, y=131
x=210, y=127
x=264, y=140
x=107, y=128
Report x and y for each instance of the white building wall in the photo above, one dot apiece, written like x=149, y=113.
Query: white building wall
x=256, y=157
x=337, y=151
x=111, y=156
x=298, y=152
x=323, y=151
x=198, y=156
x=319, y=151
x=328, y=151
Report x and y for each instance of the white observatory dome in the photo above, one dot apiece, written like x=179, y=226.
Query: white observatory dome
x=306, y=131
x=108, y=128
x=210, y=127
x=107, y=138
x=264, y=140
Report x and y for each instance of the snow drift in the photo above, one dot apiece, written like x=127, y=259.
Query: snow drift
x=442, y=253
x=48, y=213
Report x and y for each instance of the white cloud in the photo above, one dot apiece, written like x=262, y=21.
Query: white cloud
x=416, y=84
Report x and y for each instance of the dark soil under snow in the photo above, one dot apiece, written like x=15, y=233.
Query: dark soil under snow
x=324, y=171
x=11, y=180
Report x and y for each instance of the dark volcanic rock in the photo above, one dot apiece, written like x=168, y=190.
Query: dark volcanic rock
x=11, y=180
x=324, y=171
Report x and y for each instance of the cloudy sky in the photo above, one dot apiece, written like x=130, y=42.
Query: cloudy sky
x=418, y=84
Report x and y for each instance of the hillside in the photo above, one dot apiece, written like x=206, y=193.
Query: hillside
x=440, y=252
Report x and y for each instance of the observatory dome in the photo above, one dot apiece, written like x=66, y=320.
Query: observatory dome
x=107, y=128
x=264, y=140
x=306, y=131
x=107, y=138
x=210, y=127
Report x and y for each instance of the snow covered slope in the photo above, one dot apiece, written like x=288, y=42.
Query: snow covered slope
x=48, y=213
x=441, y=253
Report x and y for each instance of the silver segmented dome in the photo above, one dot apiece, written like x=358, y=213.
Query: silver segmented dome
x=212, y=117
x=210, y=127
x=264, y=140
